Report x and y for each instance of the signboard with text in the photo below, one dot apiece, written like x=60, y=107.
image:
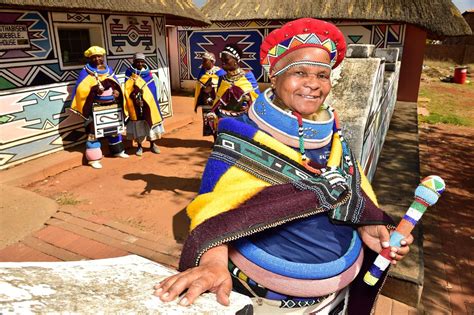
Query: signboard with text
x=14, y=36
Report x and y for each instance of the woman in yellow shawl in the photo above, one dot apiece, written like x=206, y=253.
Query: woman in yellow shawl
x=284, y=213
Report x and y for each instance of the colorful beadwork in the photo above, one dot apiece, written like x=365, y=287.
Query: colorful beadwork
x=338, y=154
x=305, y=32
x=426, y=194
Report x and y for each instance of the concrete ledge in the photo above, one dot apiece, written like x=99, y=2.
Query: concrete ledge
x=360, y=51
x=396, y=178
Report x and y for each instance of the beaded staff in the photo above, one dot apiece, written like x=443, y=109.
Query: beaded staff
x=426, y=194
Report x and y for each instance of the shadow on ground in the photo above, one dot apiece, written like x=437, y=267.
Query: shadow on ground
x=184, y=143
x=181, y=225
x=165, y=183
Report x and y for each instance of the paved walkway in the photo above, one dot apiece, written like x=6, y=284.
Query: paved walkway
x=71, y=235
x=449, y=226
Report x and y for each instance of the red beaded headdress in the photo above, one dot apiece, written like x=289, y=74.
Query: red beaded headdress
x=305, y=32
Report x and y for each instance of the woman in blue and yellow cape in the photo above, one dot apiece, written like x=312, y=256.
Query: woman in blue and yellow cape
x=236, y=90
x=142, y=104
x=206, y=85
x=285, y=214
x=97, y=85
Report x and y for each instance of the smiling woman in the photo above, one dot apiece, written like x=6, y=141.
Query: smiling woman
x=303, y=85
x=283, y=210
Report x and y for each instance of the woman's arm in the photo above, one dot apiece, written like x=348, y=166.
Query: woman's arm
x=211, y=275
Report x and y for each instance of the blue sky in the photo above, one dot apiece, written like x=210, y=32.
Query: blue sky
x=199, y=3
x=462, y=5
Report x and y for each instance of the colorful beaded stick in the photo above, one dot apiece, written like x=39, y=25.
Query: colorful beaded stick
x=426, y=194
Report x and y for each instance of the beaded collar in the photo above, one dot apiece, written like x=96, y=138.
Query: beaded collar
x=94, y=71
x=141, y=72
x=234, y=75
x=213, y=70
x=293, y=130
x=283, y=125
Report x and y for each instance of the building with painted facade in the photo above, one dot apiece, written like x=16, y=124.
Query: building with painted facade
x=365, y=107
x=400, y=24
x=41, y=55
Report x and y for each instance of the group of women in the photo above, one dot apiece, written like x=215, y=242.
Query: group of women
x=226, y=92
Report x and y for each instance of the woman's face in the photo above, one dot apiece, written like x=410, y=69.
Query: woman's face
x=139, y=64
x=229, y=63
x=207, y=63
x=97, y=60
x=303, y=88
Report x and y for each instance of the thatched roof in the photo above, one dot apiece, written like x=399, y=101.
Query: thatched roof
x=438, y=17
x=177, y=12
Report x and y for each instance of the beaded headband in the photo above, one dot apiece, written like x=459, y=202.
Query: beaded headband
x=305, y=32
x=231, y=52
x=208, y=55
x=299, y=63
x=139, y=56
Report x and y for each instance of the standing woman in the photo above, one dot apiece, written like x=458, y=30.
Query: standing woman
x=142, y=104
x=284, y=213
x=206, y=86
x=97, y=87
x=236, y=91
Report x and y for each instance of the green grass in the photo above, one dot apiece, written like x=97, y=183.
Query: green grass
x=67, y=199
x=447, y=64
x=449, y=103
x=436, y=118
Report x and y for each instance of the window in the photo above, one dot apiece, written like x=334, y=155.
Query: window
x=73, y=39
x=73, y=43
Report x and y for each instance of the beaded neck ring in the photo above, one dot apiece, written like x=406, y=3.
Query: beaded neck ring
x=144, y=70
x=94, y=71
x=233, y=76
x=335, y=155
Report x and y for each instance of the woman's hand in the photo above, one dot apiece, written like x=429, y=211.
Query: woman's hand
x=377, y=237
x=211, y=275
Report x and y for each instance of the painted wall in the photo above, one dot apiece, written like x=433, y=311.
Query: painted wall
x=35, y=86
x=248, y=35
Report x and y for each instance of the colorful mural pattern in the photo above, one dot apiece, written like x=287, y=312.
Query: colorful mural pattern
x=127, y=35
x=248, y=41
x=24, y=36
x=37, y=121
x=192, y=43
x=35, y=90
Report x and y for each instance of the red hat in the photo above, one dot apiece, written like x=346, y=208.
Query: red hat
x=305, y=32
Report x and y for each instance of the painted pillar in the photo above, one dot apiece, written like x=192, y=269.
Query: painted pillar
x=412, y=63
x=172, y=36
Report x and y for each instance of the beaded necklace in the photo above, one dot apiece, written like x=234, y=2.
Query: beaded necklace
x=281, y=124
x=235, y=75
x=141, y=72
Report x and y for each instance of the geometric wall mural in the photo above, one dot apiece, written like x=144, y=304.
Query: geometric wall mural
x=24, y=36
x=248, y=41
x=35, y=88
x=128, y=35
x=249, y=35
x=35, y=122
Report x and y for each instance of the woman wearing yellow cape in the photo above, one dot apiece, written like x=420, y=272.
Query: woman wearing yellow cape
x=97, y=86
x=142, y=105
